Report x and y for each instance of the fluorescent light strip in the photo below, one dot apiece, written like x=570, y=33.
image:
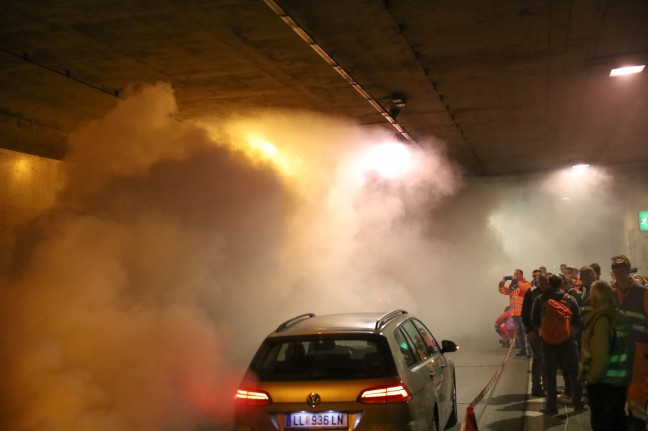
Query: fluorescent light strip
x=627, y=70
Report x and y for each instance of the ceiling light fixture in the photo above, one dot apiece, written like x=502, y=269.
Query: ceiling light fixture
x=398, y=102
x=319, y=49
x=580, y=166
x=627, y=70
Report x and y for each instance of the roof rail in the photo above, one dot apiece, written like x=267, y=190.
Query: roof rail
x=387, y=317
x=294, y=320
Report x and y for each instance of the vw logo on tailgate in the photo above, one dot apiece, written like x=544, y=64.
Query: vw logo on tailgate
x=313, y=399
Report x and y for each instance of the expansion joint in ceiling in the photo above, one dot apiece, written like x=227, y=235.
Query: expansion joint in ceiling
x=303, y=34
x=417, y=58
x=66, y=73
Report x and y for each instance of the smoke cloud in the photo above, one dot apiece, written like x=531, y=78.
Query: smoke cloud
x=176, y=246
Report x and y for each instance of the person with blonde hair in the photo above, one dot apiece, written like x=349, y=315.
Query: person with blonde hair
x=588, y=277
x=606, y=360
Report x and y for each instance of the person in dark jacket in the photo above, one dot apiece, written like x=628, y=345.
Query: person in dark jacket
x=570, y=289
x=541, y=283
x=597, y=269
x=565, y=353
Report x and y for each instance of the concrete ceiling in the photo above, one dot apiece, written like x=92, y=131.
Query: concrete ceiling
x=510, y=86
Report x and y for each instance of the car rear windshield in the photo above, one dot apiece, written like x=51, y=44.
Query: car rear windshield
x=330, y=358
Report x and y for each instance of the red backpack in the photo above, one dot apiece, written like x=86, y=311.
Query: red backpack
x=555, y=327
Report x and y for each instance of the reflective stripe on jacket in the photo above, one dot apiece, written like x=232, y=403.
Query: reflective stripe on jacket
x=634, y=307
x=607, y=354
x=516, y=292
x=634, y=303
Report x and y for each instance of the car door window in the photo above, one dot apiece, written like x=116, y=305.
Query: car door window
x=405, y=347
x=414, y=335
x=429, y=340
x=427, y=337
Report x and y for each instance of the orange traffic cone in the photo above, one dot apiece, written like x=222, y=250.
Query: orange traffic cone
x=470, y=421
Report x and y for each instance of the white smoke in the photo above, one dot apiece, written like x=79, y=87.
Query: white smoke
x=175, y=247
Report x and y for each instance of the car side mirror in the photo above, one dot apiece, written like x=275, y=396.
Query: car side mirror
x=448, y=346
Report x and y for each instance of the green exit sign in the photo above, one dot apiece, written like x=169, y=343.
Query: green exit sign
x=643, y=220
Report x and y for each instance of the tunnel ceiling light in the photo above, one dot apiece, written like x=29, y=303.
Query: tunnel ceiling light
x=390, y=160
x=627, y=70
x=580, y=166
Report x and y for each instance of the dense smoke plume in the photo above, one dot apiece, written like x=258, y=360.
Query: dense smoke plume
x=174, y=247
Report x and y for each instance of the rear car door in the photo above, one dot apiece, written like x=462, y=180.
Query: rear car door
x=444, y=380
x=425, y=372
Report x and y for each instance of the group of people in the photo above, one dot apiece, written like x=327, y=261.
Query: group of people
x=595, y=332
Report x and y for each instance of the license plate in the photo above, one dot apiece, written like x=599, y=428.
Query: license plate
x=323, y=420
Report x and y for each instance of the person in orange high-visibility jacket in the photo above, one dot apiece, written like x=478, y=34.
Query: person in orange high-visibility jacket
x=516, y=291
x=632, y=298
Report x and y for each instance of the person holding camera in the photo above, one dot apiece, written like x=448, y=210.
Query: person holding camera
x=516, y=290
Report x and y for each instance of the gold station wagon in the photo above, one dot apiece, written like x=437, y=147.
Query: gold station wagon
x=361, y=371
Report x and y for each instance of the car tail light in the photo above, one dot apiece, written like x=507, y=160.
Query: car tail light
x=253, y=397
x=385, y=394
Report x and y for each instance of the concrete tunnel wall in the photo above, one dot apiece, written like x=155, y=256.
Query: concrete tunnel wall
x=28, y=186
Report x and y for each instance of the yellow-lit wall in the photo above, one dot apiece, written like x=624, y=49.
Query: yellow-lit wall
x=28, y=186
